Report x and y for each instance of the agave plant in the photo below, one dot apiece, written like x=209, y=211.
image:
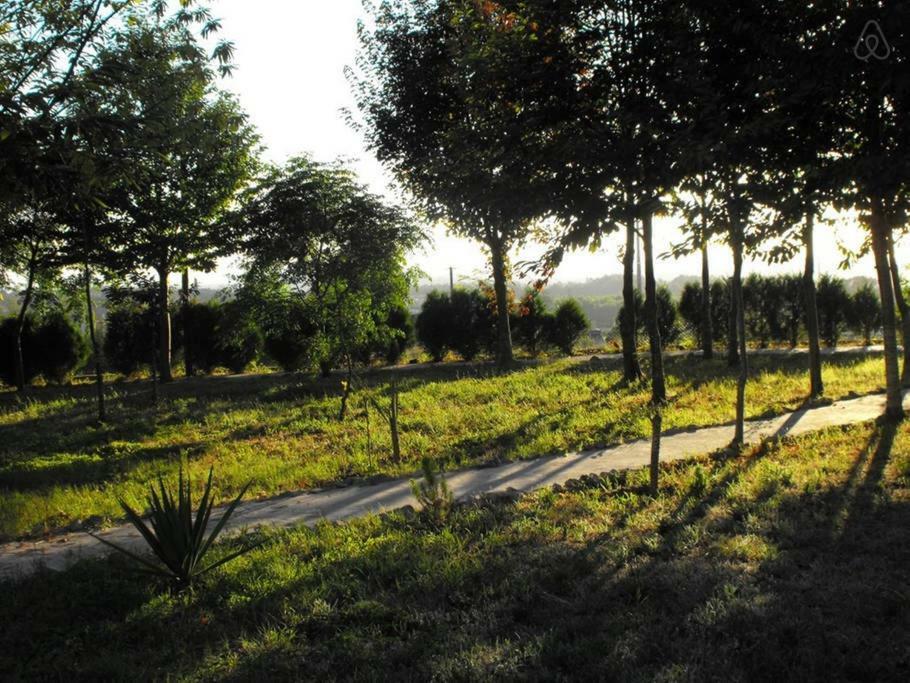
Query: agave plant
x=175, y=537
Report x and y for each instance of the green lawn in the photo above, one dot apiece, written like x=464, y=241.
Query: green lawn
x=58, y=468
x=790, y=562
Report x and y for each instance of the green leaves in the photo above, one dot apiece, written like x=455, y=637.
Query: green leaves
x=175, y=537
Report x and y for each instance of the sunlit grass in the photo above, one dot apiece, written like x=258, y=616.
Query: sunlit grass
x=57, y=467
x=788, y=562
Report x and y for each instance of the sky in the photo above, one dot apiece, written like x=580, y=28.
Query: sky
x=291, y=57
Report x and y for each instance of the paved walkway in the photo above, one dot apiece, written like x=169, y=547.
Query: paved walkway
x=21, y=558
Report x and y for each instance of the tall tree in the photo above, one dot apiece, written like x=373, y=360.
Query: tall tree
x=725, y=65
x=189, y=149
x=459, y=102
x=696, y=203
x=340, y=248
x=32, y=248
x=867, y=96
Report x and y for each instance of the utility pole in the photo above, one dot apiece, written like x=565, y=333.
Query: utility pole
x=451, y=282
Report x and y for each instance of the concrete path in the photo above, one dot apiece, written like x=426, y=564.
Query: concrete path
x=21, y=558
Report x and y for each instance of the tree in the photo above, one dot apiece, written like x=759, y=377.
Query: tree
x=534, y=322
x=468, y=316
x=690, y=308
x=833, y=309
x=569, y=323
x=460, y=102
x=43, y=49
x=667, y=313
x=865, y=95
x=864, y=315
x=433, y=324
x=32, y=242
x=698, y=208
x=726, y=68
x=336, y=245
x=401, y=324
x=189, y=146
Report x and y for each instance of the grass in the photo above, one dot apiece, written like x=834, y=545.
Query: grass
x=790, y=562
x=59, y=469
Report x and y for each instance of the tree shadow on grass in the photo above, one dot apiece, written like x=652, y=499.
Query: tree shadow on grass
x=497, y=594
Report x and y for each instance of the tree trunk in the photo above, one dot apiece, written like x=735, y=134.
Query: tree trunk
x=164, y=327
x=503, y=331
x=348, y=387
x=902, y=307
x=816, y=385
x=732, y=330
x=188, y=368
x=393, y=422
x=20, y=322
x=736, y=242
x=658, y=383
x=631, y=369
x=96, y=349
x=894, y=408
x=707, y=330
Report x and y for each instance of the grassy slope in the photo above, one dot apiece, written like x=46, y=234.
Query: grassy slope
x=791, y=562
x=57, y=467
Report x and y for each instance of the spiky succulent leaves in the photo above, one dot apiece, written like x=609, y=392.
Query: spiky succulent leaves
x=175, y=538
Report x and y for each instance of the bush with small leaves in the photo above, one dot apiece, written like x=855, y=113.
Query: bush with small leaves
x=129, y=338
x=401, y=323
x=534, y=326
x=667, y=314
x=199, y=322
x=865, y=313
x=569, y=323
x=433, y=324
x=432, y=492
x=8, y=351
x=833, y=306
x=238, y=339
x=468, y=322
x=59, y=348
x=292, y=340
x=689, y=309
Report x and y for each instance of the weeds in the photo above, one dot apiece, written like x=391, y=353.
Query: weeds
x=432, y=492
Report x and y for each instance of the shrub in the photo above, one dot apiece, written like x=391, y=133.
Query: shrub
x=833, y=304
x=129, y=338
x=720, y=309
x=467, y=322
x=864, y=314
x=533, y=328
x=690, y=309
x=8, y=351
x=433, y=324
x=792, y=307
x=400, y=322
x=761, y=301
x=569, y=323
x=175, y=537
x=291, y=341
x=432, y=492
x=199, y=322
x=667, y=314
x=238, y=339
x=59, y=348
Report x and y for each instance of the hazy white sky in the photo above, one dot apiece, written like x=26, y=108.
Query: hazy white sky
x=291, y=56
